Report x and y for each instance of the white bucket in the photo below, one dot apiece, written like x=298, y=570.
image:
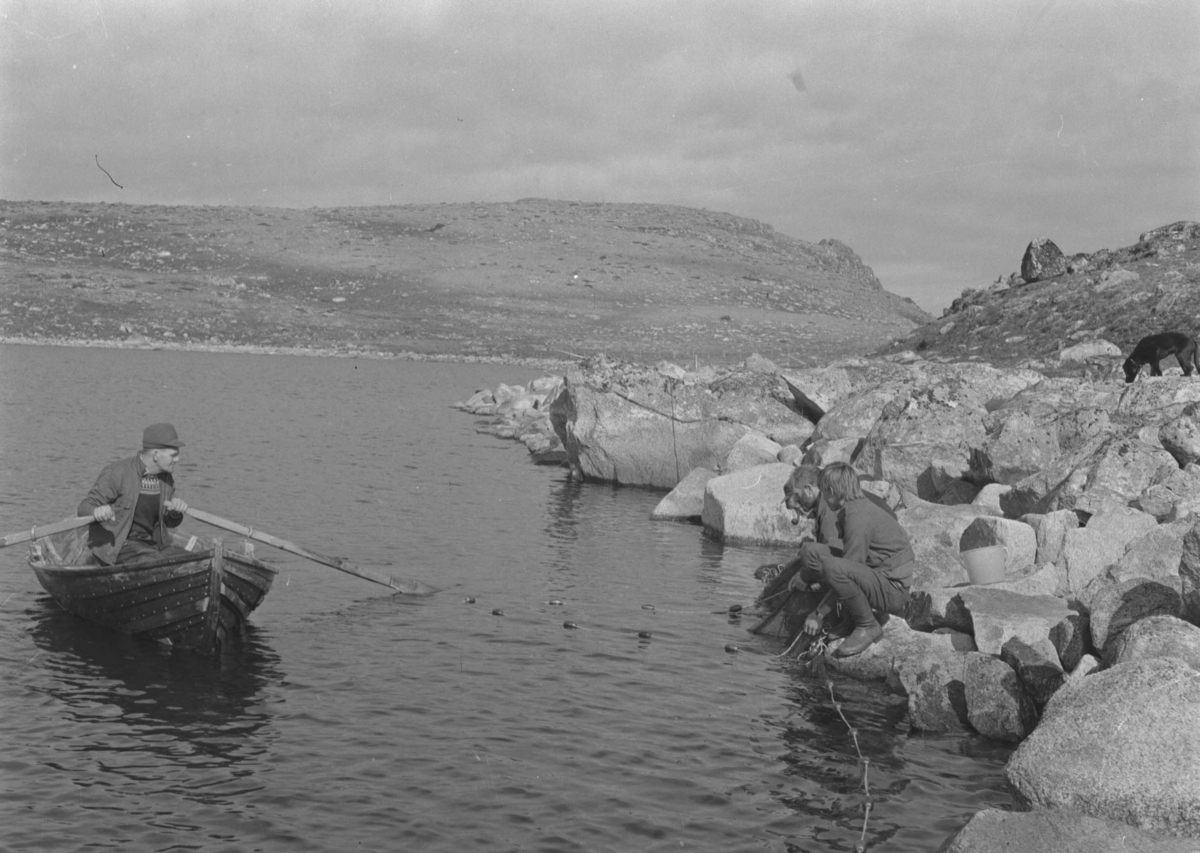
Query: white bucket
x=985, y=565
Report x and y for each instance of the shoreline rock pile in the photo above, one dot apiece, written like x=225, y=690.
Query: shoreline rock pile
x=1087, y=654
x=519, y=412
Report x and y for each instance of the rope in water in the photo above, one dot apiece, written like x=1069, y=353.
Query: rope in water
x=864, y=763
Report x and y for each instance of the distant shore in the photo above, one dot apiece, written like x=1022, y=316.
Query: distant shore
x=308, y=352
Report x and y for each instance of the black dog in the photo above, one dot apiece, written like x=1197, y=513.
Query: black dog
x=1154, y=348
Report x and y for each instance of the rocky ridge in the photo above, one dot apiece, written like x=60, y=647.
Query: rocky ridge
x=1078, y=313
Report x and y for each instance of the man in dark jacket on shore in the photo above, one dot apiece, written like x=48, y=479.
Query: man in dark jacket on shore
x=133, y=502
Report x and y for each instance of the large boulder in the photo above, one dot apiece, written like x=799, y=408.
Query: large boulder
x=1057, y=831
x=1154, y=555
x=900, y=645
x=924, y=440
x=1189, y=573
x=685, y=502
x=751, y=449
x=633, y=425
x=922, y=443
x=998, y=615
x=1157, y=637
x=1122, y=744
x=1180, y=436
x=1118, y=465
x=1037, y=666
x=816, y=391
x=930, y=608
x=747, y=506
x=936, y=692
x=1090, y=550
x=998, y=705
x=1042, y=260
x=935, y=531
x=1156, y=400
x=1115, y=608
x=1051, y=531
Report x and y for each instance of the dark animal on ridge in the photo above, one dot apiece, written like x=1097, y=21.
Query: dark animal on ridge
x=1154, y=348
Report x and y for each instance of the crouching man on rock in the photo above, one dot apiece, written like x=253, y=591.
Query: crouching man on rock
x=868, y=575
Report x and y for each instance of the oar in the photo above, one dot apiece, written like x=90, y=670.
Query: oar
x=408, y=587
x=39, y=532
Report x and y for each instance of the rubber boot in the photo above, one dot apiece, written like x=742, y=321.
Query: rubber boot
x=843, y=629
x=859, y=640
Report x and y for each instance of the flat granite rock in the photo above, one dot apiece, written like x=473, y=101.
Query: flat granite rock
x=998, y=615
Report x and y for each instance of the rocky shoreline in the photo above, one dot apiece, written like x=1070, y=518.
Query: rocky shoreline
x=1087, y=654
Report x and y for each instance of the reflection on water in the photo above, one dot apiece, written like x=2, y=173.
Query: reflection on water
x=186, y=708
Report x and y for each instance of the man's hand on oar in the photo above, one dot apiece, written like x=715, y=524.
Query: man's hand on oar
x=408, y=587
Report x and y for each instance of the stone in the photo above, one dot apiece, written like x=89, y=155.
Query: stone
x=1121, y=466
x=957, y=492
x=1042, y=260
x=1157, y=400
x=1115, y=608
x=997, y=703
x=899, y=645
x=747, y=506
x=1157, y=637
x=942, y=607
x=989, y=497
x=1018, y=539
x=626, y=424
x=998, y=615
x=1037, y=666
x=1089, y=551
x=751, y=449
x=685, y=502
x=1155, y=555
x=791, y=454
x=1017, y=446
x=1056, y=831
x=922, y=443
x=826, y=451
x=934, y=531
x=1051, y=532
x=1088, y=350
x=1173, y=496
x=884, y=490
x=1180, y=437
x=936, y=692
x=1122, y=744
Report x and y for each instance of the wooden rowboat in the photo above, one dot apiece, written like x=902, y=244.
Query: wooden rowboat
x=197, y=601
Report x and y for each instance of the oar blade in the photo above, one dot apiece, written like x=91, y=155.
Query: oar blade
x=411, y=587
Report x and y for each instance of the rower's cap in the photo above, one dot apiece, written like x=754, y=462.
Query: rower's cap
x=160, y=435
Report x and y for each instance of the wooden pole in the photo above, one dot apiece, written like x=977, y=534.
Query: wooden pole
x=39, y=532
x=408, y=587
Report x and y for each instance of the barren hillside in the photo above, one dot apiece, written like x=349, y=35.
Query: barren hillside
x=529, y=279
x=1118, y=295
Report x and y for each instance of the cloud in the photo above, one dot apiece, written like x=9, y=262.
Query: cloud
x=930, y=130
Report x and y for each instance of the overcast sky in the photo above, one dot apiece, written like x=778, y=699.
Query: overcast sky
x=936, y=139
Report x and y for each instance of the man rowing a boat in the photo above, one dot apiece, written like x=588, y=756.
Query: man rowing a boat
x=133, y=502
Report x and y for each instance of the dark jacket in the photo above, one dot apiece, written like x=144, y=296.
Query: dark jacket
x=120, y=484
x=871, y=535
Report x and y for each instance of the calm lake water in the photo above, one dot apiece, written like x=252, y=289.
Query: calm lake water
x=352, y=719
